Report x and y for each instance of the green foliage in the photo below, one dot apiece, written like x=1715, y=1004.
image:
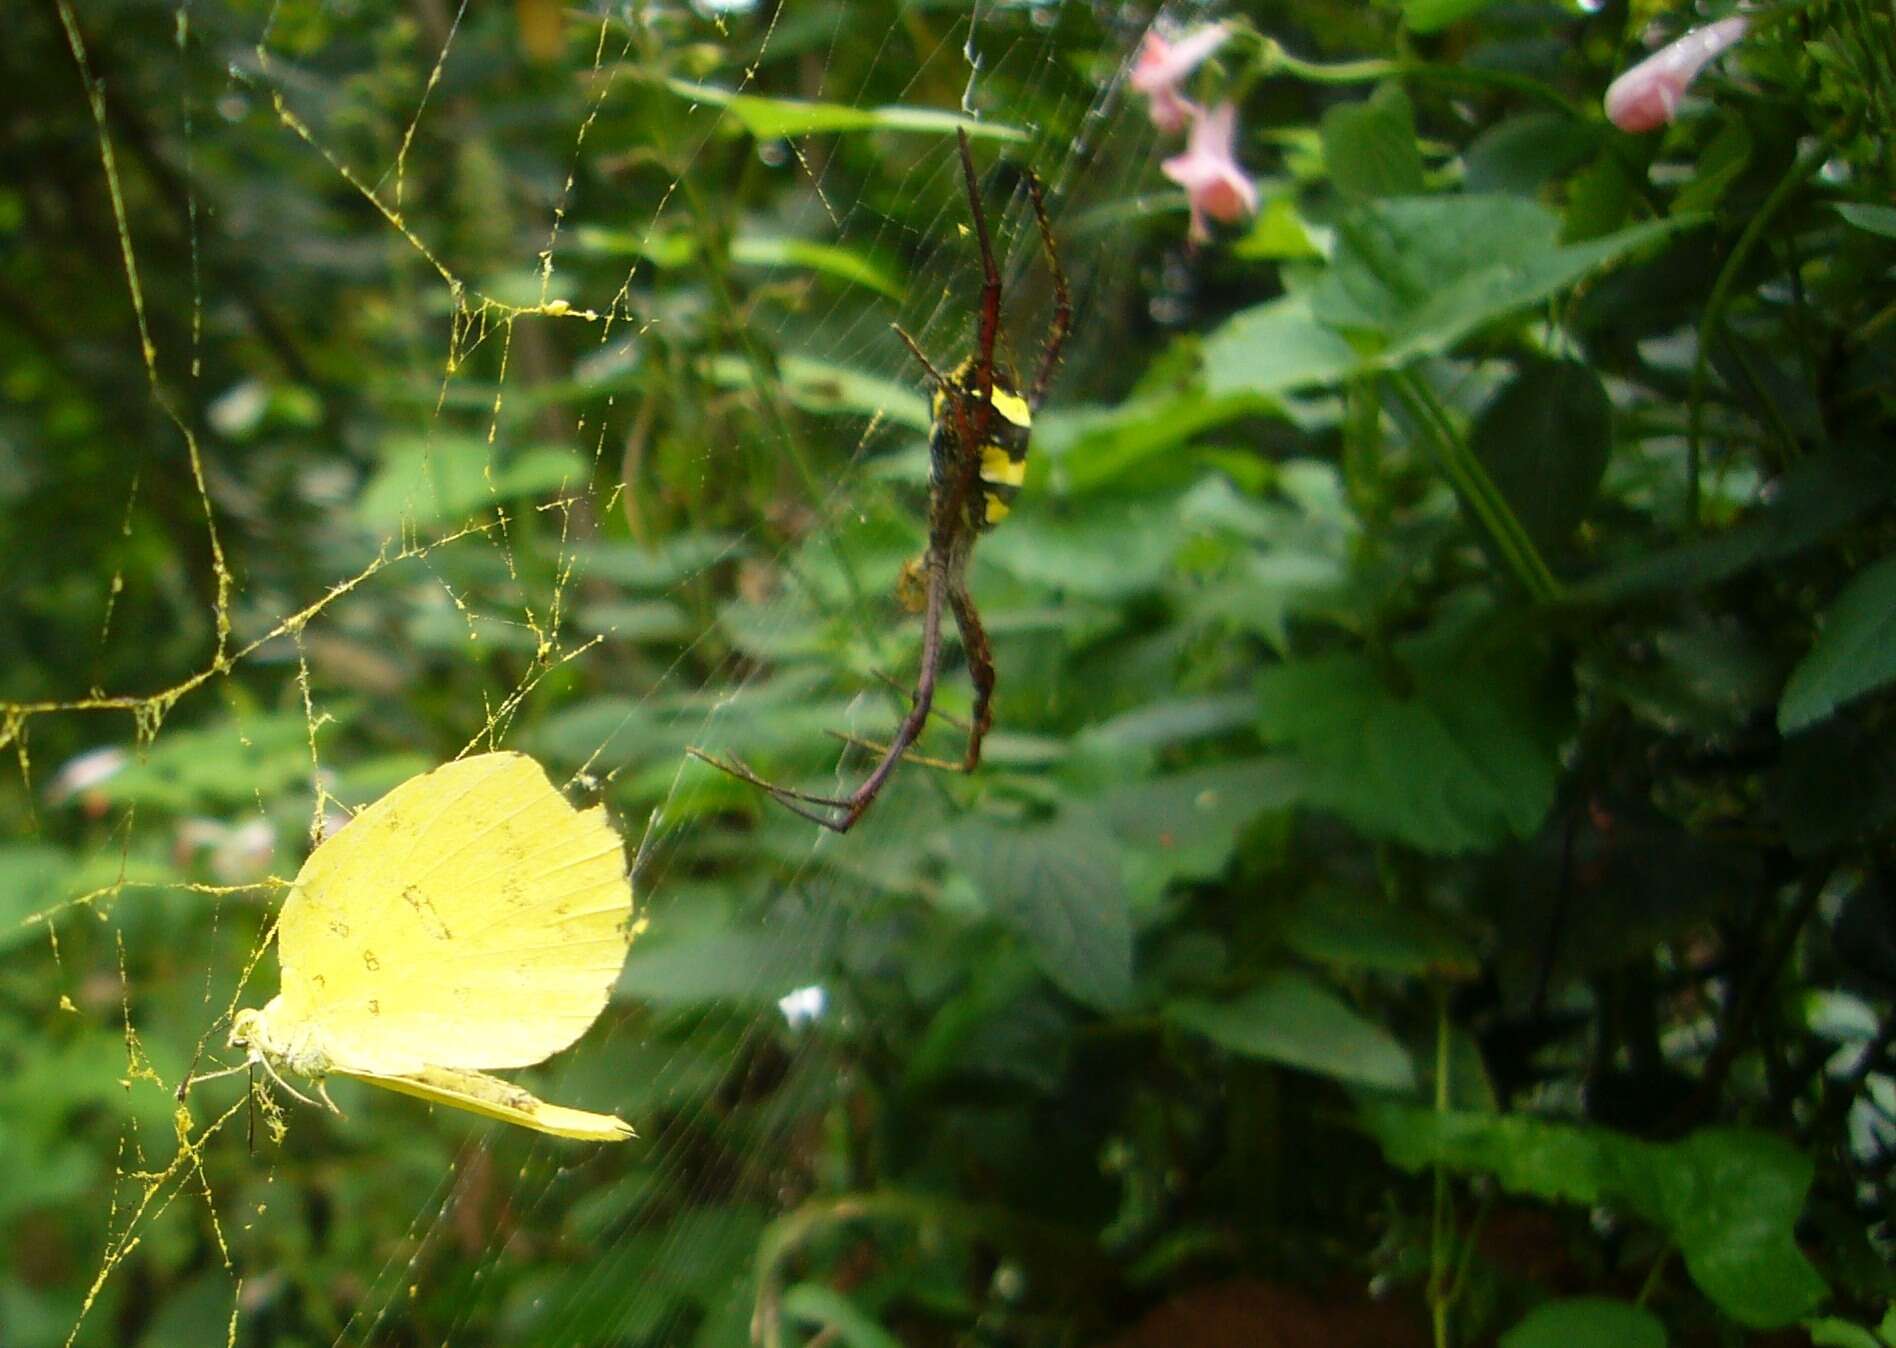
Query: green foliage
x=1727, y=1197
x=1587, y=1322
x=1446, y=673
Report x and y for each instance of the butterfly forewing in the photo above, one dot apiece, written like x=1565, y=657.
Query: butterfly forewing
x=471, y=918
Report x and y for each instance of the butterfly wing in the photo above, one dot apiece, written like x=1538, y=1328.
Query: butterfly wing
x=479, y=1093
x=470, y=918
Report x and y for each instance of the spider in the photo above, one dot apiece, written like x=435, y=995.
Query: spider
x=979, y=424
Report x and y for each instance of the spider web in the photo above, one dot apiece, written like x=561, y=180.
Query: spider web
x=600, y=338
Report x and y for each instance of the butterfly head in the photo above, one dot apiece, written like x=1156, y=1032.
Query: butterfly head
x=247, y=1029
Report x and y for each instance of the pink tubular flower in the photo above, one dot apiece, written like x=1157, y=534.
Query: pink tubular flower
x=1645, y=97
x=1160, y=66
x=1213, y=182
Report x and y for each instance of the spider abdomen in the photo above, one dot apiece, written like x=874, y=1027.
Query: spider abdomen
x=998, y=463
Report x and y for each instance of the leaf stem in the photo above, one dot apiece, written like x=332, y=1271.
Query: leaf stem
x=1476, y=489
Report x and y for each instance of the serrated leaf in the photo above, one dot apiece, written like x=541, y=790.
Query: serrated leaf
x=1422, y=273
x=1462, y=758
x=1060, y=887
x=1729, y=1197
x=1855, y=650
x=1293, y=1020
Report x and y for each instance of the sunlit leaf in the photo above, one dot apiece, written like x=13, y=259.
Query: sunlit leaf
x=1276, y=347
x=823, y=386
x=443, y=480
x=770, y=118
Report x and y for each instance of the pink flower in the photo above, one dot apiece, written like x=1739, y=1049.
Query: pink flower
x=1160, y=66
x=1645, y=97
x=1213, y=182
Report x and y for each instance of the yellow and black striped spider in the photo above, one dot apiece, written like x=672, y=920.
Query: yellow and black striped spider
x=980, y=422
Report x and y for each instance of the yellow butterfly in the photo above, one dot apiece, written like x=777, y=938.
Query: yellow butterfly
x=469, y=919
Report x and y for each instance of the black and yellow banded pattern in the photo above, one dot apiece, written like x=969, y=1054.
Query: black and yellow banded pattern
x=1002, y=456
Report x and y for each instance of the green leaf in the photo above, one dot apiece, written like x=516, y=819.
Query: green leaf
x=841, y=1319
x=1356, y=931
x=442, y=480
x=1828, y=1332
x=773, y=118
x=1587, y=1322
x=1545, y=440
x=1876, y=219
x=1855, y=650
x=746, y=967
x=1279, y=234
x=1422, y=273
x=1187, y=824
x=227, y=764
x=1292, y=1019
x=1811, y=502
x=1274, y=348
x=32, y=879
x=1112, y=550
x=845, y=264
x=1426, y=16
x=1098, y=447
x=1729, y=1198
x=657, y=566
x=1059, y=886
x=1370, y=146
x=1521, y=154
x=680, y=249
x=826, y=387
x=1464, y=757
x=1720, y=165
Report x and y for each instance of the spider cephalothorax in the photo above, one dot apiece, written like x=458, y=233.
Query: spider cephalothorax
x=980, y=425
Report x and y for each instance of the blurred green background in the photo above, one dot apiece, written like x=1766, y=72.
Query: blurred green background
x=1430, y=879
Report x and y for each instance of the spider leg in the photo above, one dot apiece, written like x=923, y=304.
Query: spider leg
x=989, y=326
x=916, y=351
x=857, y=803
x=1062, y=298
x=957, y=722
x=876, y=747
x=974, y=642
